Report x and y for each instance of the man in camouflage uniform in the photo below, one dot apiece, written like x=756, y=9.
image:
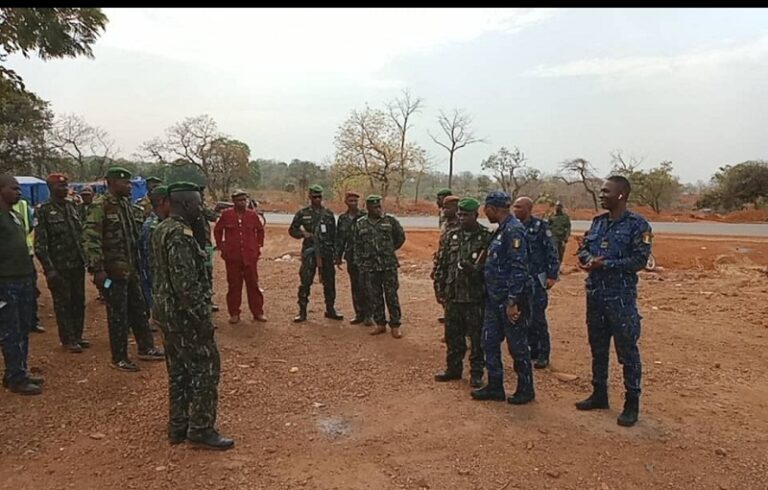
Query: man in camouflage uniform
x=58, y=246
x=460, y=288
x=160, y=209
x=182, y=309
x=344, y=231
x=86, y=196
x=202, y=229
x=111, y=244
x=316, y=224
x=441, y=195
x=543, y=267
x=560, y=225
x=145, y=202
x=450, y=222
x=376, y=238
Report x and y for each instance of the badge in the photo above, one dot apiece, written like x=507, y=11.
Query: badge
x=322, y=228
x=647, y=238
x=474, y=255
x=516, y=243
x=549, y=233
x=454, y=237
x=604, y=244
x=188, y=232
x=54, y=212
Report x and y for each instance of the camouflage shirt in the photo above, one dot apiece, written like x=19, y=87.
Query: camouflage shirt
x=145, y=245
x=462, y=283
x=344, y=230
x=58, y=236
x=560, y=226
x=111, y=236
x=180, y=287
x=320, y=223
x=375, y=242
x=445, y=227
x=82, y=211
x=145, y=204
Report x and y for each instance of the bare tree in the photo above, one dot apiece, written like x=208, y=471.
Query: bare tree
x=458, y=134
x=401, y=111
x=74, y=139
x=581, y=171
x=625, y=165
x=511, y=171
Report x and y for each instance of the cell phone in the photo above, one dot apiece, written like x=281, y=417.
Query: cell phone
x=107, y=283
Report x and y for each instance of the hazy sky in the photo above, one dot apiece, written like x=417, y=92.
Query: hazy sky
x=686, y=85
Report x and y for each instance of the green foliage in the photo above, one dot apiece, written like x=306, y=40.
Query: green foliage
x=737, y=185
x=303, y=174
x=657, y=187
x=24, y=119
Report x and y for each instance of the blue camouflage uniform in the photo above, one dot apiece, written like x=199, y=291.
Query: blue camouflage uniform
x=612, y=294
x=543, y=264
x=145, y=244
x=507, y=282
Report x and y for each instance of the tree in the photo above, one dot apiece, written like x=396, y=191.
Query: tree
x=510, y=170
x=657, y=187
x=581, y=171
x=401, y=111
x=188, y=142
x=304, y=173
x=24, y=119
x=51, y=32
x=227, y=162
x=423, y=166
x=737, y=185
x=73, y=138
x=456, y=129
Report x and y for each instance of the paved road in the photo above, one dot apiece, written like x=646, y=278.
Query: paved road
x=699, y=228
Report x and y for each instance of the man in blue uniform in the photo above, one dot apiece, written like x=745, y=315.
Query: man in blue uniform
x=507, y=308
x=544, y=267
x=614, y=249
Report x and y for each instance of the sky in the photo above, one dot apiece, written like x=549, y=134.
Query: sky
x=685, y=85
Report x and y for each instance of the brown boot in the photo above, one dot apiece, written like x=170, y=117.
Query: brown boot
x=396, y=332
x=380, y=329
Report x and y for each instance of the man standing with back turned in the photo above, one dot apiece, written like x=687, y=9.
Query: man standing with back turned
x=614, y=250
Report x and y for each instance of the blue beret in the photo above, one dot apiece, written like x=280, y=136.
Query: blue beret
x=498, y=198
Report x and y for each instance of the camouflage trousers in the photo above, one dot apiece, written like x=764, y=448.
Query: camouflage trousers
x=126, y=310
x=464, y=320
x=381, y=288
x=359, y=296
x=68, y=293
x=614, y=314
x=194, y=367
x=17, y=305
x=497, y=328
x=560, y=249
x=307, y=275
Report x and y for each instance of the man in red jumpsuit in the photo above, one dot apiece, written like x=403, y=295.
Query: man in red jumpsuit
x=239, y=235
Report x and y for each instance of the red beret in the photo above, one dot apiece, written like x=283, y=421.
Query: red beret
x=56, y=178
x=351, y=194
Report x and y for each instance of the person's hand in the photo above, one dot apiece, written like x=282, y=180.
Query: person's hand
x=594, y=264
x=99, y=278
x=551, y=283
x=307, y=235
x=513, y=313
x=337, y=263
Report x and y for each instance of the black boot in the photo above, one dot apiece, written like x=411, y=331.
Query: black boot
x=330, y=312
x=628, y=417
x=597, y=400
x=494, y=390
x=476, y=381
x=210, y=439
x=447, y=376
x=302, y=316
x=541, y=363
x=177, y=435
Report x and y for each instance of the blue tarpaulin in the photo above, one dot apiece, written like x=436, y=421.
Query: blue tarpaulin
x=139, y=187
x=34, y=190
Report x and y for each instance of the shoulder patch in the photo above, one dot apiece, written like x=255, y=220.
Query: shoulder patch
x=647, y=238
x=188, y=231
x=516, y=242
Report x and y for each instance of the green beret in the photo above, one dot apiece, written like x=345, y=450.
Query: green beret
x=118, y=173
x=316, y=189
x=183, y=187
x=152, y=178
x=469, y=204
x=444, y=192
x=161, y=190
x=373, y=198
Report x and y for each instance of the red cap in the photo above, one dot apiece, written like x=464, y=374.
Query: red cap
x=56, y=178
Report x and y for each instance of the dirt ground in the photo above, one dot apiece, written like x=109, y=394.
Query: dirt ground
x=362, y=412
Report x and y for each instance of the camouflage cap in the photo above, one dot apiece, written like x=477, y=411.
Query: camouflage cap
x=469, y=204
x=161, y=190
x=238, y=192
x=86, y=190
x=316, y=189
x=152, y=178
x=118, y=173
x=183, y=187
x=444, y=192
x=497, y=198
x=373, y=199
x=450, y=199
